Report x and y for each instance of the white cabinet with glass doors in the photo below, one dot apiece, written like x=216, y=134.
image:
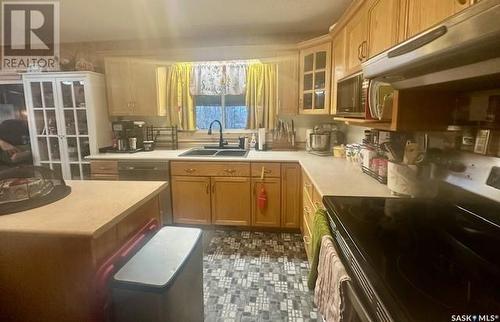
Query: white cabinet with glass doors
x=315, y=65
x=68, y=120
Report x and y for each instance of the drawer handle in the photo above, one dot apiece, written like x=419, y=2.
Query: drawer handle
x=190, y=170
x=307, y=210
x=268, y=171
x=307, y=240
x=231, y=171
x=307, y=185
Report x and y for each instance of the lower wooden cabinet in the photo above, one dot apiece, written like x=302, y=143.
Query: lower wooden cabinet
x=206, y=194
x=231, y=201
x=191, y=197
x=290, y=195
x=270, y=215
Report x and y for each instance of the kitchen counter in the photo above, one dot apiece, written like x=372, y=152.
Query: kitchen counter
x=90, y=208
x=331, y=176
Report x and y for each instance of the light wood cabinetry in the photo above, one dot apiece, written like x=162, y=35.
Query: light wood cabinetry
x=132, y=87
x=191, y=200
x=338, y=66
x=383, y=25
x=288, y=86
x=356, y=40
x=423, y=14
x=226, y=193
x=290, y=195
x=270, y=215
x=231, y=201
x=315, y=73
x=104, y=170
x=219, y=169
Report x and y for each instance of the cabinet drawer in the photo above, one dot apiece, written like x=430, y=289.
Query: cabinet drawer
x=210, y=169
x=271, y=169
x=317, y=201
x=307, y=185
x=104, y=167
x=306, y=231
x=308, y=210
x=107, y=177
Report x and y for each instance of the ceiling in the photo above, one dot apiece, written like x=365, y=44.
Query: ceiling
x=113, y=20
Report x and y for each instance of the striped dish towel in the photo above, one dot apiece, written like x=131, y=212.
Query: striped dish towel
x=328, y=295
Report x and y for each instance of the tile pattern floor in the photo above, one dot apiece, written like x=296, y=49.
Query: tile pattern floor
x=256, y=276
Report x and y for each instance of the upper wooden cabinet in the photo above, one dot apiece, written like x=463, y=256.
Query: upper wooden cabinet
x=422, y=14
x=315, y=72
x=356, y=40
x=132, y=87
x=288, y=87
x=338, y=66
x=383, y=25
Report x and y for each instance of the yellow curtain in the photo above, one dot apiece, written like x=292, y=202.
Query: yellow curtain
x=179, y=105
x=261, y=95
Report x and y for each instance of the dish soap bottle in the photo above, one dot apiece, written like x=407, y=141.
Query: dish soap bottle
x=253, y=142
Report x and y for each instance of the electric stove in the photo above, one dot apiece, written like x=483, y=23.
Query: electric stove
x=421, y=260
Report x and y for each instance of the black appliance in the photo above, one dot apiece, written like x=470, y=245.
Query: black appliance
x=420, y=260
x=124, y=131
x=352, y=93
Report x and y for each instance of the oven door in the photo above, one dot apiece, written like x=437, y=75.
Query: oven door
x=354, y=308
x=350, y=96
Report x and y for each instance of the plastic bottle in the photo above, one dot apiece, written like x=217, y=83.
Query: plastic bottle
x=253, y=142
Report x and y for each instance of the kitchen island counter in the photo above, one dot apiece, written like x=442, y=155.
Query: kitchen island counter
x=90, y=209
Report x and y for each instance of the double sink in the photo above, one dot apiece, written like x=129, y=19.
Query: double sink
x=215, y=151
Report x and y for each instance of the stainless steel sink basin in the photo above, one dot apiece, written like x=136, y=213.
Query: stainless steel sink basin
x=197, y=152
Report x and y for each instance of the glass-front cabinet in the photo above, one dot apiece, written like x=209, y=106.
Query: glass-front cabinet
x=315, y=64
x=68, y=120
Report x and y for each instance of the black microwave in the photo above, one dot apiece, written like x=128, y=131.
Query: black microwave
x=352, y=95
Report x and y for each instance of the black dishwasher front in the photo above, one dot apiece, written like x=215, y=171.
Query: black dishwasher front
x=131, y=170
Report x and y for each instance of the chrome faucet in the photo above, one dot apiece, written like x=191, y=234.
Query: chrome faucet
x=221, y=140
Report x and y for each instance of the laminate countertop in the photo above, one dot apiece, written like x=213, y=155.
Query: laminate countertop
x=90, y=208
x=331, y=176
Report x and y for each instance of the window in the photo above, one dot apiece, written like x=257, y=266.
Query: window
x=229, y=109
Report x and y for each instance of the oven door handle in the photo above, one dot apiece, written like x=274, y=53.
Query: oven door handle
x=356, y=303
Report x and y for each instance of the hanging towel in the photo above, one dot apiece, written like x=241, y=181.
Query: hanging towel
x=328, y=295
x=320, y=228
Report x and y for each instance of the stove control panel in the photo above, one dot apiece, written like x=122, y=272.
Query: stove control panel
x=494, y=178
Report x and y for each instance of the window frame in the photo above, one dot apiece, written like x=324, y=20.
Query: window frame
x=223, y=113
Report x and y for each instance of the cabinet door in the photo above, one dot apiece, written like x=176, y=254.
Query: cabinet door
x=74, y=126
x=143, y=87
x=118, y=87
x=315, y=79
x=191, y=200
x=231, y=201
x=383, y=25
x=339, y=66
x=290, y=186
x=45, y=125
x=288, y=87
x=423, y=14
x=270, y=215
x=356, y=41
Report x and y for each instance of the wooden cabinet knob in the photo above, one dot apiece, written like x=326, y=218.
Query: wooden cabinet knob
x=231, y=171
x=189, y=170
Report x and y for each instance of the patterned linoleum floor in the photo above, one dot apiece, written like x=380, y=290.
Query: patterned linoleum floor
x=256, y=276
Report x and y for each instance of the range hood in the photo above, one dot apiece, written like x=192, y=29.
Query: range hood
x=465, y=46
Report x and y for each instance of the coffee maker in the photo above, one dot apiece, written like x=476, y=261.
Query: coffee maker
x=129, y=136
